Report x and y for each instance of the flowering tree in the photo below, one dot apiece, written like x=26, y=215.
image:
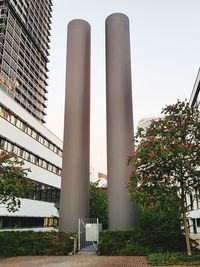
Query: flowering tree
x=166, y=160
x=13, y=182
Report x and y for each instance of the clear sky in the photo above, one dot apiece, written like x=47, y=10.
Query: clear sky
x=165, y=47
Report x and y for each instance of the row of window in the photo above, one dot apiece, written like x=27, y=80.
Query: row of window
x=45, y=193
x=28, y=156
x=27, y=222
x=6, y=114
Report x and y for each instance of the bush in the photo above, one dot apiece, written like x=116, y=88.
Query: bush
x=171, y=258
x=134, y=249
x=138, y=242
x=26, y=243
x=113, y=242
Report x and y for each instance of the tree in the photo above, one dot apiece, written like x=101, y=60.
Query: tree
x=13, y=181
x=166, y=160
x=98, y=204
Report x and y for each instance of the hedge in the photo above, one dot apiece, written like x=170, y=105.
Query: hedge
x=138, y=242
x=27, y=243
x=171, y=258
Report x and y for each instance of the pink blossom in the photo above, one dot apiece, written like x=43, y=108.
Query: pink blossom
x=152, y=154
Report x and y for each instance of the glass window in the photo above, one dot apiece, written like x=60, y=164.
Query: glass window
x=40, y=162
x=2, y=112
x=19, y=124
x=16, y=150
x=36, y=160
x=44, y=164
x=32, y=158
x=60, y=152
x=8, y=146
x=41, y=139
x=13, y=119
x=46, y=143
x=34, y=134
x=25, y=128
x=26, y=155
x=54, y=169
x=50, y=167
x=46, y=222
x=8, y=116
x=29, y=130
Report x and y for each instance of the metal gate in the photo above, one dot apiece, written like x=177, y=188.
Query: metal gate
x=88, y=233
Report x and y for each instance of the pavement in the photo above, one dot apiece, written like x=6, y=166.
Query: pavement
x=82, y=259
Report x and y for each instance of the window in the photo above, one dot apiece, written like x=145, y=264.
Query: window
x=19, y=124
x=2, y=112
x=34, y=134
x=26, y=222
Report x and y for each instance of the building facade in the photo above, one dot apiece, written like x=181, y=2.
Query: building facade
x=192, y=200
x=41, y=151
x=24, y=44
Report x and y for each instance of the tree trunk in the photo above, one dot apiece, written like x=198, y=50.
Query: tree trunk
x=187, y=238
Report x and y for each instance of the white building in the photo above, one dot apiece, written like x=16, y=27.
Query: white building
x=42, y=153
x=24, y=43
x=193, y=202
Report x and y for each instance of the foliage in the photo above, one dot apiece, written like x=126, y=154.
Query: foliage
x=171, y=258
x=138, y=242
x=26, y=243
x=160, y=217
x=98, y=204
x=166, y=160
x=13, y=182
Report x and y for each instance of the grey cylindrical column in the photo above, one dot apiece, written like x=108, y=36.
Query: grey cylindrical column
x=75, y=171
x=119, y=120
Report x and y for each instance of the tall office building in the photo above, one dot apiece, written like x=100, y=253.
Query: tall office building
x=24, y=44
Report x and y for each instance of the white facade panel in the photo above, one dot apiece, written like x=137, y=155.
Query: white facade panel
x=194, y=214
x=19, y=137
x=43, y=176
x=32, y=208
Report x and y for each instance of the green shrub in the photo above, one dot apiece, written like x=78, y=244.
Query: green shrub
x=22, y=243
x=170, y=258
x=134, y=249
x=113, y=242
x=138, y=242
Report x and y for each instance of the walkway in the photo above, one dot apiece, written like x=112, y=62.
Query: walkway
x=86, y=260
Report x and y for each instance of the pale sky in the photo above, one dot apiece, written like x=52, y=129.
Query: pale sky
x=165, y=48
